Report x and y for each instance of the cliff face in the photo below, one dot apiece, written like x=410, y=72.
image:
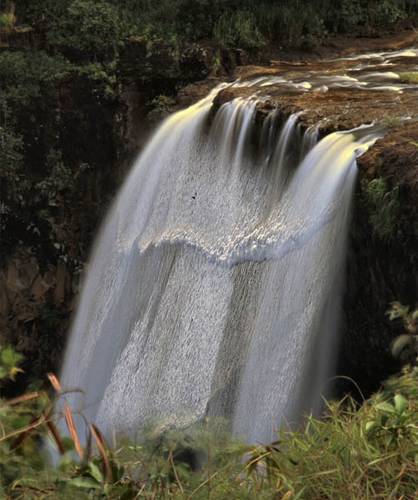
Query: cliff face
x=46, y=240
x=98, y=133
x=383, y=255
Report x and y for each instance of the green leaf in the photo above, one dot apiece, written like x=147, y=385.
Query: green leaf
x=386, y=407
x=10, y=357
x=370, y=425
x=401, y=403
x=84, y=482
x=397, y=310
x=95, y=472
x=400, y=343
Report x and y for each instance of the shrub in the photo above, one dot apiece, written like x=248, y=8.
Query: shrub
x=89, y=30
x=383, y=208
x=351, y=15
x=409, y=77
x=405, y=346
x=238, y=29
x=7, y=20
x=58, y=179
x=161, y=106
x=384, y=13
x=104, y=83
x=25, y=75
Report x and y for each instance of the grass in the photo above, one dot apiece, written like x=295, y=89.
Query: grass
x=409, y=77
x=352, y=453
x=392, y=121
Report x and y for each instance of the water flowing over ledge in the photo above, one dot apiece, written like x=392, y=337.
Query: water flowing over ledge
x=215, y=283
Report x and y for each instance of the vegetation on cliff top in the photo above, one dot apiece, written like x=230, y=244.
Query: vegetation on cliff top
x=236, y=23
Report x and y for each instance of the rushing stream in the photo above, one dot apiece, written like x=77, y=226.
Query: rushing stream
x=215, y=285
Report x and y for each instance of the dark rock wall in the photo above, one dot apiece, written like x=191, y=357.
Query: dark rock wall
x=39, y=277
x=98, y=139
x=383, y=257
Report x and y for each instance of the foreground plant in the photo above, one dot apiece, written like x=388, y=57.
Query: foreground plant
x=352, y=453
x=405, y=346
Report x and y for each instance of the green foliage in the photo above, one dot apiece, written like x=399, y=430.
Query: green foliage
x=90, y=30
x=7, y=20
x=391, y=121
x=351, y=453
x=238, y=29
x=29, y=74
x=9, y=363
x=383, y=208
x=349, y=17
x=29, y=84
x=103, y=78
x=409, y=77
x=7, y=17
x=405, y=347
x=60, y=178
x=12, y=182
x=41, y=12
x=384, y=13
x=161, y=106
x=95, y=30
x=37, y=172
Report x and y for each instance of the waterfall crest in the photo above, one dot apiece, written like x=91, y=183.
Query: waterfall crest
x=215, y=283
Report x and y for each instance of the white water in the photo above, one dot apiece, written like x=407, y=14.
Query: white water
x=215, y=283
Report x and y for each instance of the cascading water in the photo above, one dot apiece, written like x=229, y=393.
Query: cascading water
x=215, y=283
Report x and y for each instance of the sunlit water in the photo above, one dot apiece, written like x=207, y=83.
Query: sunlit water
x=367, y=72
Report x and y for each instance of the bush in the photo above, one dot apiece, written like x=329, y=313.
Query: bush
x=351, y=16
x=238, y=29
x=27, y=75
x=7, y=20
x=102, y=77
x=80, y=26
x=89, y=30
x=405, y=346
x=385, y=13
x=409, y=77
x=383, y=208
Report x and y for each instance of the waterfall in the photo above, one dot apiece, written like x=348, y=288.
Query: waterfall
x=215, y=283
